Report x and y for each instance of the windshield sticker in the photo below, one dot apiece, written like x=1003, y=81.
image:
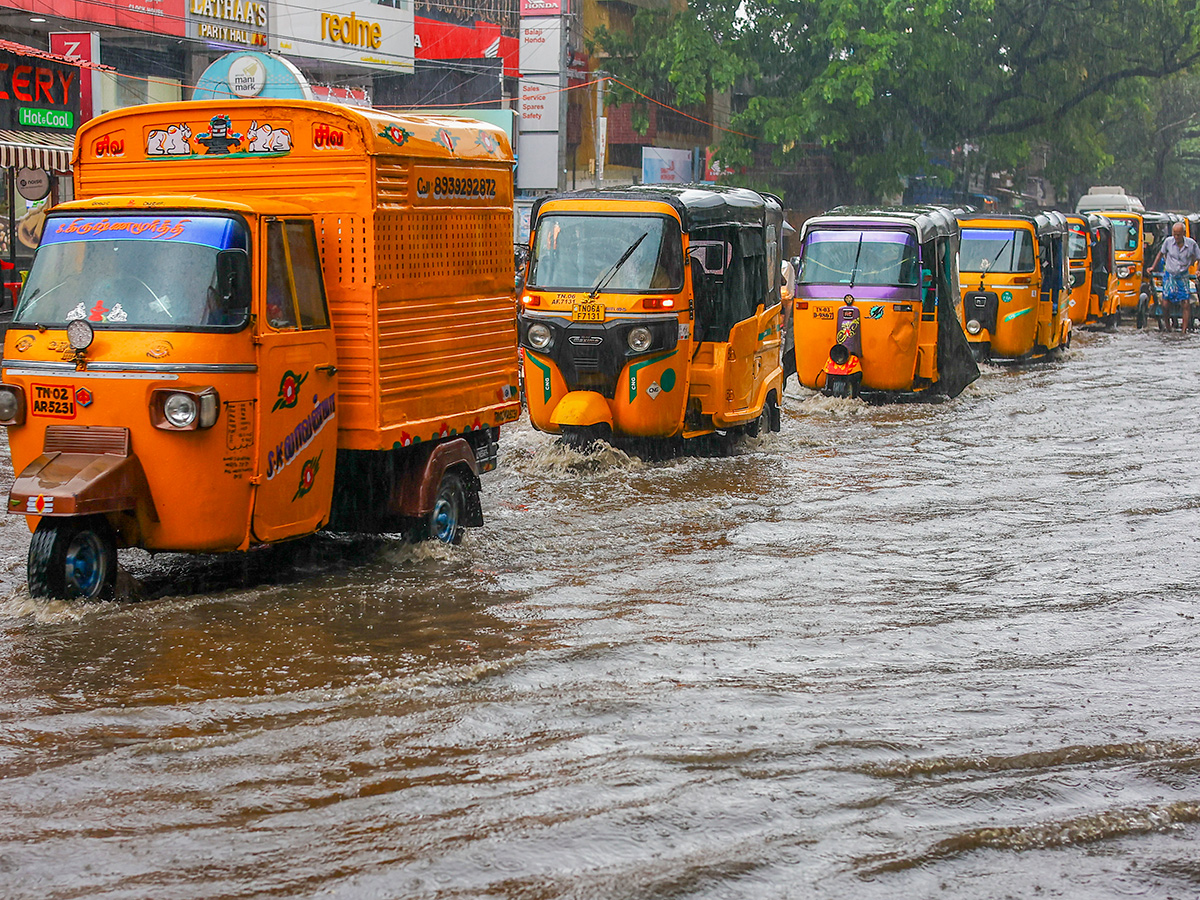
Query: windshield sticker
x=210, y=231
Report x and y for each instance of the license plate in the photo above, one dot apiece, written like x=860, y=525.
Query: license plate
x=55, y=401
x=587, y=312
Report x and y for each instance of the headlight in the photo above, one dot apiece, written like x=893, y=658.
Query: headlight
x=973, y=327
x=1122, y=271
x=181, y=410
x=539, y=336
x=12, y=405
x=639, y=339
x=184, y=410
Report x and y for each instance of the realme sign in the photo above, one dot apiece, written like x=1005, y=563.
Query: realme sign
x=351, y=30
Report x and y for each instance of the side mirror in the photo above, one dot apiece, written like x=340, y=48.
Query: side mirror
x=233, y=278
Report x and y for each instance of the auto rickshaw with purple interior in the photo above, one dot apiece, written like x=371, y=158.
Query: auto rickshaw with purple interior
x=877, y=300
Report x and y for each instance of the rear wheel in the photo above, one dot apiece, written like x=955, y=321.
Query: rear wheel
x=73, y=559
x=449, y=510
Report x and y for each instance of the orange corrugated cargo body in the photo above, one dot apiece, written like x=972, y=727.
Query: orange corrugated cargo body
x=259, y=319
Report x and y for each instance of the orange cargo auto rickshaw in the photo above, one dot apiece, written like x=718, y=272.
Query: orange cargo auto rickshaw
x=229, y=342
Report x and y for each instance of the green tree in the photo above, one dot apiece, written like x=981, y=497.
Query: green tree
x=889, y=86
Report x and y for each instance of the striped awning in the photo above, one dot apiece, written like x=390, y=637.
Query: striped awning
x=33, y=150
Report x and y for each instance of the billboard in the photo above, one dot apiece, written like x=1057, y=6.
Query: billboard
x=663, y=166
x=359, y=32
x=158, y=16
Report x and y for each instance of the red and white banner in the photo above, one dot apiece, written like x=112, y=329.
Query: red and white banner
x=158, y=16
x=435, y=39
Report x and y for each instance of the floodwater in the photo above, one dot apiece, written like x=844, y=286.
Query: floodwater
x=905, y=651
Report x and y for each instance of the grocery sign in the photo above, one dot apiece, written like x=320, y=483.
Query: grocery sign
x=38, y=93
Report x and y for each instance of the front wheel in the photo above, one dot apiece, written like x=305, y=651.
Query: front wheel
x=73, y=559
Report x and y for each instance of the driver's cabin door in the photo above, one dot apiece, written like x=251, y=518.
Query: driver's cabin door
x=297, y=369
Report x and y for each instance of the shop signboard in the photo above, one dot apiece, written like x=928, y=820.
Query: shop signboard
x=376, y=35
x=540, y=103
x=543, y=8
x=84, y=46
x=241, y=22
x=38, y=94
x=249, y=74
x=157, y=16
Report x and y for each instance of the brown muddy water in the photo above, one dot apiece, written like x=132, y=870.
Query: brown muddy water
x=903, y=651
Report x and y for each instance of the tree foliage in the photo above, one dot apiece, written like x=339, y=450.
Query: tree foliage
x=890, y=86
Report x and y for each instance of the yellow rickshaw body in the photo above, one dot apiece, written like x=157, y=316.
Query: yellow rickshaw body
x=679, y=385
x=1026, y=283
x=407, y=219
x=1131, y=257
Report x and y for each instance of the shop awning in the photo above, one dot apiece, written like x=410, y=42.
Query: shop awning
x=30, y=149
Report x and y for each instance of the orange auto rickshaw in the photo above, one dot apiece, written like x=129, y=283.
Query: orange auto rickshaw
x=1015, y=284
x=651, y=314
x=1093, y=270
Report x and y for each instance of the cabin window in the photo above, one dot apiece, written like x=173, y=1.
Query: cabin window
x=295, y=290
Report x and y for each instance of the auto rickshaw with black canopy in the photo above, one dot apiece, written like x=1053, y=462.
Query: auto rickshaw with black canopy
x=1092, y=262
x=1015, y=284
x=651, y=314
x=877, y=299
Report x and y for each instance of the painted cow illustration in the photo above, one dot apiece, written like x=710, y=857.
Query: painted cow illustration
x=174, y=141
x=266, y=139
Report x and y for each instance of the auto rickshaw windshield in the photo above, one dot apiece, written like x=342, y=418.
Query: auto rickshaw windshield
x=996, y=250
x=850, y=257
x=1125, y=233
x=578, y=252
x=1078, y=244
x=133, y=272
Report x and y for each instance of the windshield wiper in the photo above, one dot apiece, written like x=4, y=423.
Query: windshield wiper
x=608, y=276
x=857, y=254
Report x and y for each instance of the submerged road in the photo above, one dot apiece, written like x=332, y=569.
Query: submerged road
x=906, y=651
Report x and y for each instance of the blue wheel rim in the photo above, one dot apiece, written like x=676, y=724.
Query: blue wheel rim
x=445, y=521
x=86, y=564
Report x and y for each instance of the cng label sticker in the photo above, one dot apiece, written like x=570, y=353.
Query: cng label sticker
x=55, y=401
x=1006, y=296
x=654, y=390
